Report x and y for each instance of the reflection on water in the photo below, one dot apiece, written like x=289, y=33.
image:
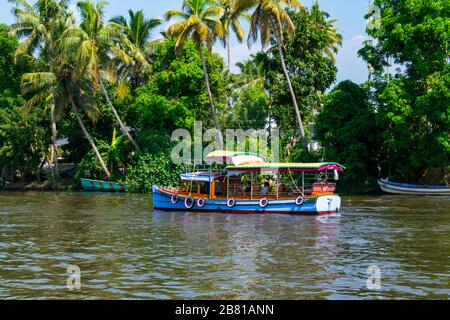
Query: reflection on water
x=126, y=251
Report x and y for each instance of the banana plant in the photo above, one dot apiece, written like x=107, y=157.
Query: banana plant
x=112, y=152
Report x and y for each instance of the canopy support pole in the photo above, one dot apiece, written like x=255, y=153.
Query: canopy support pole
x=303, y=183
x=228, y=187
x=251, y=186
x=278, y=184
x=210, y=181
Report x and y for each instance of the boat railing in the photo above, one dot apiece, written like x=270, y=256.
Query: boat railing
x=206, y=168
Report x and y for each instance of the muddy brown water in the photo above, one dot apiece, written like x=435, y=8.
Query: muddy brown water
x=124, y=250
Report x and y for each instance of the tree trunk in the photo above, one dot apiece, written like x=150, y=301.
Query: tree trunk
x=208, y=89
x=291, y=90
x=124, y=128
x=89, y=138
x=229, y=51
x=54, y=140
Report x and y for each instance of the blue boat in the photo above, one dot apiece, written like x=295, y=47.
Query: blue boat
x=102, y=186
x=236, y=191
x=405, y=188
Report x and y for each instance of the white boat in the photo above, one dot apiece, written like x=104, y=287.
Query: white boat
x=404, y=188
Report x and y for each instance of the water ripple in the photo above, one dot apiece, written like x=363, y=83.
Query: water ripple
x=126, y=251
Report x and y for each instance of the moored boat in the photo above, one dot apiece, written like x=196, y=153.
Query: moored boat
x=102, y=186
x=235, y=190
x=404, y=188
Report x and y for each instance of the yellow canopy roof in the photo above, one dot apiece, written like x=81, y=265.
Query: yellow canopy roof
x=314, y=167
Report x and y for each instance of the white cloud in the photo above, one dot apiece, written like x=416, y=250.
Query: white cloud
x=359, y=37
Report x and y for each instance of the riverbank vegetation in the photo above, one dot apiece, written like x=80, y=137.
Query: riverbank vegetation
x=81, y=96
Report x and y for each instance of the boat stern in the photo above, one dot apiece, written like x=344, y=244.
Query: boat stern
x=328, y=204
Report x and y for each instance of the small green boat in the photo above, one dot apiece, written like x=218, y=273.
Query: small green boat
x=102, y=186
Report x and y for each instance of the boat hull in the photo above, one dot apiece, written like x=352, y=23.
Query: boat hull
x=312, y=206
x=102, y=186
x=408, y=189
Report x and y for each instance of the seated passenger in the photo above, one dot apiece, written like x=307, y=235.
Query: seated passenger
x=205, y=189
x=282, y=189
x=219, y=189
x=265, y=190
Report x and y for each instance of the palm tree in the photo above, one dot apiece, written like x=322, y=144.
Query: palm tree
x=230, y=22
x=271, y=18
x=139, y=28
x=334, y=38
x=96, y=47
x=39, y=26
x=55, y=82
x=79, y=94
x=199, y=22
x=137, y=31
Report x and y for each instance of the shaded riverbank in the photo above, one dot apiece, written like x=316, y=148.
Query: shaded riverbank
x=125, y=250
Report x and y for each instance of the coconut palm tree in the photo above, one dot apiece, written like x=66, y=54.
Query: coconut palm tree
x=38, y=27
x=56, y=82
x=137, y=30
x=270, y=19
x=230, y=21
x=96, y=48
x=199, y=22
x=334, y=38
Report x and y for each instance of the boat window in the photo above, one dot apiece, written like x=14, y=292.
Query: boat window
x=219, y=188
x=204, y=188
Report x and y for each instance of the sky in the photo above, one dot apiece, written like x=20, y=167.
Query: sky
x=349, y=13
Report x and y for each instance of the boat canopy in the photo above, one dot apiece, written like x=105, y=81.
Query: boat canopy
x=199, y=177
x=234, y=157
x=287, y=167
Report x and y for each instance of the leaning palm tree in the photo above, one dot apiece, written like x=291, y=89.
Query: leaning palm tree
x=96, y=48
x=38, y=26
x=270, y=19
x=230, y=21
x=55, y=82
x=137, y=31
x=199, y=22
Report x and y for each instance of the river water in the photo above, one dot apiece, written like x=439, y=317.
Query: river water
x=124, y=250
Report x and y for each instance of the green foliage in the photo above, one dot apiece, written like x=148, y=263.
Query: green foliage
x=9, y=80
x=397, y=126
x=311, y=71
x=176, y=96
x=348, y=134
x=153, y=170
x=180, y=78
x=24, y=137
x=23, y=133
x=90, y=168
x=251, y=108
x=113, y=152
x=159, y=117
x=414, y=107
